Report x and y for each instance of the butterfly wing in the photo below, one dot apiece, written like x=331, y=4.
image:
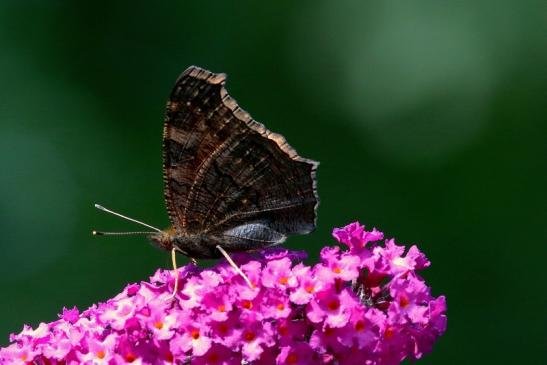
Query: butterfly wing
x=226, y=174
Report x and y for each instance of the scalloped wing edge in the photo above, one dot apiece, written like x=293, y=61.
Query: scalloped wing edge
x=242, y=115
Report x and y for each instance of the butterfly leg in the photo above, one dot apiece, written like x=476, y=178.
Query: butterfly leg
x=174, y=260
x=234, y=265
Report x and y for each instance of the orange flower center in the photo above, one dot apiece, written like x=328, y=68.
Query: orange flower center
x=333, y=305
x=336, y=270
x=221, y=308
x=283, y=280
x=247, y=304
x=194, y=333
x=310, y=289
x=213, y=357
x=360, y=326
x=130, y=357
x=404, y=302
x=249, y=336
x=292, y=358
x=280, y=306
x=388, y=334
x=100, y=355
x=223, y=328
x=158, y=325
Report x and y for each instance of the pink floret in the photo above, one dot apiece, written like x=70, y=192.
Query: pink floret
x=363, y=305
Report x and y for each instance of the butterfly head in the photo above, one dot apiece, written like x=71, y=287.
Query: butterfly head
x=164, y=239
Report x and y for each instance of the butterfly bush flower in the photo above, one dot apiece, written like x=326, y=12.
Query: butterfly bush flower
x=365, y=304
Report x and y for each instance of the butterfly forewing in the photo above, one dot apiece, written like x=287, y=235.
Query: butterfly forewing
x=227, y=175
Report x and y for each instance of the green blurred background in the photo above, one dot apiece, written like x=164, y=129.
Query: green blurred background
x=428, y=119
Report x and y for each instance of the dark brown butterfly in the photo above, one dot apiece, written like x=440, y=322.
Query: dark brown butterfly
x=229, y=182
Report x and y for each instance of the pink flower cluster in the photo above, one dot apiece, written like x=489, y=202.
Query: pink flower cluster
x=364, y=305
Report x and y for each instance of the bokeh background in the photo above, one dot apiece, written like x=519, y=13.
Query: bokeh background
x=428, y=119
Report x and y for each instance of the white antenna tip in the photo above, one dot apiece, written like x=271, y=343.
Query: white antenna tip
x=98, y=206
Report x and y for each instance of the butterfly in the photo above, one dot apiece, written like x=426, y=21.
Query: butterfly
x=229, y=183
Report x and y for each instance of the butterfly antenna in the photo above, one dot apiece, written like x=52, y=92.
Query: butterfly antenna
x=100, y=233
x=100, y=207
